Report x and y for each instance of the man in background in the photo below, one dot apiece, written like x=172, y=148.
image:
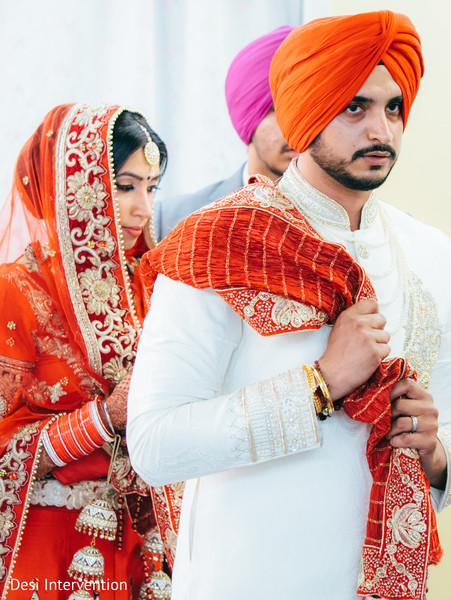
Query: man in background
x=251, y=110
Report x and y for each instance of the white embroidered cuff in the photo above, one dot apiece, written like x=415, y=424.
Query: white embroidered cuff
x=280, y=416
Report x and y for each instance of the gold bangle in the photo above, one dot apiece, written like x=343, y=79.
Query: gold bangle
x=319, y=407
x=323, y=388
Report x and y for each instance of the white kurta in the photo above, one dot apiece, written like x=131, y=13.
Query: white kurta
x=276, y=502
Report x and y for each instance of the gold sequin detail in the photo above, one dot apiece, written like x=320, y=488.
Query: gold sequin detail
x=25, y=180
x=11, y=341
x=423, y=330
x=49, y=133
x=11, y=325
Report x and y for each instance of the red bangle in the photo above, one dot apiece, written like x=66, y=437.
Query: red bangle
x=79, y=433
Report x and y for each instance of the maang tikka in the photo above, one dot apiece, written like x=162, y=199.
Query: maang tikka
x=152, y=156
x=151, y=151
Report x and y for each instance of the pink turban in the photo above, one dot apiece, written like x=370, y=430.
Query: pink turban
x=247, y=91
x=322, y=65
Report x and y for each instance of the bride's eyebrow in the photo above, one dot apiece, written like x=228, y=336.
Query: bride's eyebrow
x=129, y=174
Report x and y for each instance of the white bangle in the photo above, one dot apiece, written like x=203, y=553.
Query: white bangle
x=105, y=408
x=97, y=420
x=50, y=451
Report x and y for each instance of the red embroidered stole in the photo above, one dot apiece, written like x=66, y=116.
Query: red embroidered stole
x=17, y=471
x=252, y=241
x=258, y=252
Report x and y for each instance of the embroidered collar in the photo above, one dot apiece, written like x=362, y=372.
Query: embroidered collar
x=319, y=208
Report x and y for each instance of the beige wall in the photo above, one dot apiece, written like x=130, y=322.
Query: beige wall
x=419, y=182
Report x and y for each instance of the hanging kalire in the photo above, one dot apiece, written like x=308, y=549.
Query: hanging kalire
x=157, y=584
x=98, y=518
x=87, y=564
x=160, y=585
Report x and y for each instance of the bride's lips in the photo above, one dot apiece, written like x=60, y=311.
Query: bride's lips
x=134, y=231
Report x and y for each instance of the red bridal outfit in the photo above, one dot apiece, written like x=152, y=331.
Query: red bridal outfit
x=70, y=314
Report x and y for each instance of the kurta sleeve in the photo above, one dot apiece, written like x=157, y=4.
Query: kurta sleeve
x=180, y=423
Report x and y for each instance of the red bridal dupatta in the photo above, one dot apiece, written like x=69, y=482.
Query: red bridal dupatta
x=257, y=251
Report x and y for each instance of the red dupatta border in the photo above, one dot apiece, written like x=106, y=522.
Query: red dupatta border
x=401, y=535
x=167, y=504
x=89, y=248
x=18, y=465
x=262, y=256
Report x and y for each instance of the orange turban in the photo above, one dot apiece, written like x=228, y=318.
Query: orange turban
x=322, y=65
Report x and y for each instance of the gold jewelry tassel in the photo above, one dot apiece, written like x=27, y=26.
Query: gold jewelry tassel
x=98, y=518
x=157, y=584
x=160, y=584
x=87, y=564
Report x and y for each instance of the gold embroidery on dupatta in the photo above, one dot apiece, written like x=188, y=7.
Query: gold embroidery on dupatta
x=167, y=505
x=40, y=302
x=85, y=239
x=117, y=218
x=51, y=337
x=31, y=261
x=406, y=526
x=272, y=198
x=284, y=312
x=14, y=374
x=13, y=476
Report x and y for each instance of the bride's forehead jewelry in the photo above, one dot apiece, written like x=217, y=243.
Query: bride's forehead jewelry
x=151, y=151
